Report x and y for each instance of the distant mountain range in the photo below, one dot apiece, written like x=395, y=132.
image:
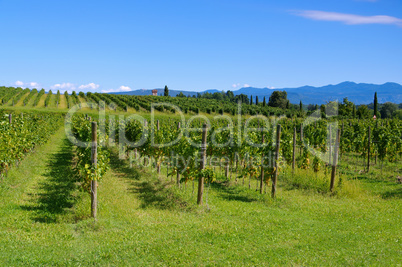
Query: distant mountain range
x=359, y=93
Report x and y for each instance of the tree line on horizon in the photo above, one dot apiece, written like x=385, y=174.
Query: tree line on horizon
x=278, y=99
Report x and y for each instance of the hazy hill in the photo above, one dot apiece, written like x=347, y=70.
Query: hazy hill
x=359, y=93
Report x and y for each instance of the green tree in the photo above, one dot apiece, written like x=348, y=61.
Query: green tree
x=311, y=107
x=388, y=109
x=166, y=91
x=251, y=100
x=218, y=96
x=375, y=104
x=230, y=95
x=243, y=98
x=264, y=102
x=397, y=114
x=278, y=99
x=256, y=100
x=301, y=106
x=346, y=108
x=363, y=112
x=323, y=111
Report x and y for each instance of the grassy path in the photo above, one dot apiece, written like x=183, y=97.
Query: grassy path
x=35, y=196
x=144, y=221
x=63, y=102
x=20, y=103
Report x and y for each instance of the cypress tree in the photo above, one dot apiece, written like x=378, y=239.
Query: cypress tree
x=301, y=106
x=256, y=100
x=263, y=102
x=251, y=100
x=375, y=105
x=166, y=92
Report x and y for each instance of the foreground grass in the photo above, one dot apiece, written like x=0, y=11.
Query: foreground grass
x=145, y=220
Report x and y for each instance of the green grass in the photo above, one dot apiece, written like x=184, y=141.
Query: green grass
x=145, y=220
x=380, y=181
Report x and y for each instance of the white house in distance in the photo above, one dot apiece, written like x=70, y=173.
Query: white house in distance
x=155, y=92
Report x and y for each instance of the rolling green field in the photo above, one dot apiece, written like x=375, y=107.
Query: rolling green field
x=144, y=219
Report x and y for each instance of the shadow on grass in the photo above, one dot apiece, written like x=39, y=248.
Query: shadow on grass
x=121, y=167
x=386, y=188
x=372, y=180
x=152, y=191
x=236, y=193
x=397, y=193
x=57, y=188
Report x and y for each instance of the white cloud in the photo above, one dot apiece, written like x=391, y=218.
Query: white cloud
x=125, y=88
x=69, y=87
x=63, y=87
x=19, y=83
x=235, y=85
x=349, y=19
x=91, y=86
x=30, y=84
x=120, y=89
x=33, y=84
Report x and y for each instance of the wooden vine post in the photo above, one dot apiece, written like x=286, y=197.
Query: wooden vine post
x=330, y=145
x=10, y=118
x=177, y=163
x=227, y=169
x=94, y=183
x=375, y=151
x=262, y=168
x=301, y=139
x=341, y=136
x=227, y=163
x=146, y=130
x=368, y=149
x=278, y=142
x=158, y=164
x=294, y=151
x=203, y=162
x=335, y=160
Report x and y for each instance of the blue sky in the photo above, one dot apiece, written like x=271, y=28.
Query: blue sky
x=198, y=44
